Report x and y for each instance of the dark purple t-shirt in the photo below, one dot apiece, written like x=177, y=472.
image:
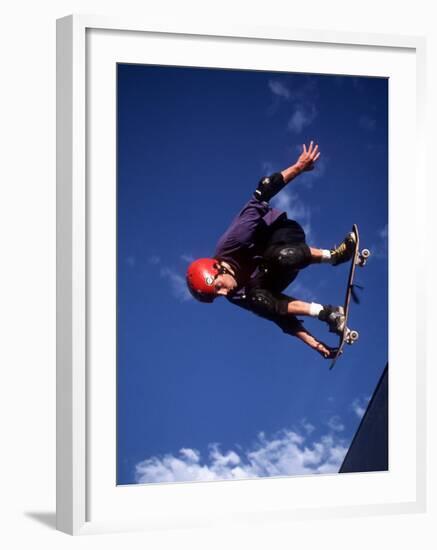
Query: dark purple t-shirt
x=242, y=244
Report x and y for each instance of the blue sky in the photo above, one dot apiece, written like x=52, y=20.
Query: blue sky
x=210, y=391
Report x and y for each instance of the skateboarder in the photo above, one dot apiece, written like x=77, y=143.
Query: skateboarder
x=261, y=253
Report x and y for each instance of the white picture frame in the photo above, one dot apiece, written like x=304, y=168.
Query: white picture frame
x=76, y=493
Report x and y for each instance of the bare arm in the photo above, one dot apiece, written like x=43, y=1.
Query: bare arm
x=306, y=337
x=304, y=163
x=268, y=187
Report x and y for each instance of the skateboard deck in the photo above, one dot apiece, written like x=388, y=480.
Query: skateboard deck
x=348, y=336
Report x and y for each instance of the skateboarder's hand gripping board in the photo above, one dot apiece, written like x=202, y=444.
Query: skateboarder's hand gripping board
x=323, y=349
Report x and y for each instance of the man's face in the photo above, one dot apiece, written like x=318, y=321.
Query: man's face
x=224, y=283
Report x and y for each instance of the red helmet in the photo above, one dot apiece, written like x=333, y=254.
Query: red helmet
x=200, y=276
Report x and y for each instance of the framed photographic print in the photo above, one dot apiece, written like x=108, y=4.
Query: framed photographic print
x=203, y=169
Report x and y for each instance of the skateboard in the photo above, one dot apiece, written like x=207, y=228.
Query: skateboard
x=349, y=336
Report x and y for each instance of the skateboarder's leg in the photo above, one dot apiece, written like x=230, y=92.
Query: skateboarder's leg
x=319, y=255
x=298, y=307
x=332, y=315
x=274, y=306
x=337, y=255
x=297, y=256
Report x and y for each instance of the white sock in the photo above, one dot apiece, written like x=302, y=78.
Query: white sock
x=315, y=309
x=326, y=257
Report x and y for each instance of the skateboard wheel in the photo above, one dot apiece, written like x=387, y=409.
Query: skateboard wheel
x=353, y=336
x=365, y=253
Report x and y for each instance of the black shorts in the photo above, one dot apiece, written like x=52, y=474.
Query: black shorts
x=285, y=231
x=273, y=275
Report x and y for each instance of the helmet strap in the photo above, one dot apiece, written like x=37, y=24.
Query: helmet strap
x=223, y=270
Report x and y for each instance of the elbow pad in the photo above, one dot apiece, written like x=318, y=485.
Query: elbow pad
x=269, y=186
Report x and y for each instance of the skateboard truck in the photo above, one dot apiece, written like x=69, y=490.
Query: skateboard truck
x=351, y=336
x=363, y=256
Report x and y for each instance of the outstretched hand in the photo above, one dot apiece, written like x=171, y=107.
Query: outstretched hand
x=325, y=351
x=308, y=157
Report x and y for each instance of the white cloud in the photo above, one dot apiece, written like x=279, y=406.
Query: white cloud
x=379, y=249
x=188, y=258
x=178, y=284
x=267, y=168
x=359, y=406
x=287, y=453
x=302, y=92
x=279, y=89
x=335, y=423
x=301, y=99
x=384, y=232
x=302, y=116
x=307, y=426
x=190, y=455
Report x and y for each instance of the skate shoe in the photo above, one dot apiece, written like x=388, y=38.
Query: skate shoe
x=343, y=252
x=334, y=317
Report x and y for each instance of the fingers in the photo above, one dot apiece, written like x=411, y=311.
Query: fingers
x=308, y=156
x=326, y=351
x=312, y=152
x=323, y=350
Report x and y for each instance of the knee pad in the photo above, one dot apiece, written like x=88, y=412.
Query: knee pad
x=264, y=303
x=293, y=256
